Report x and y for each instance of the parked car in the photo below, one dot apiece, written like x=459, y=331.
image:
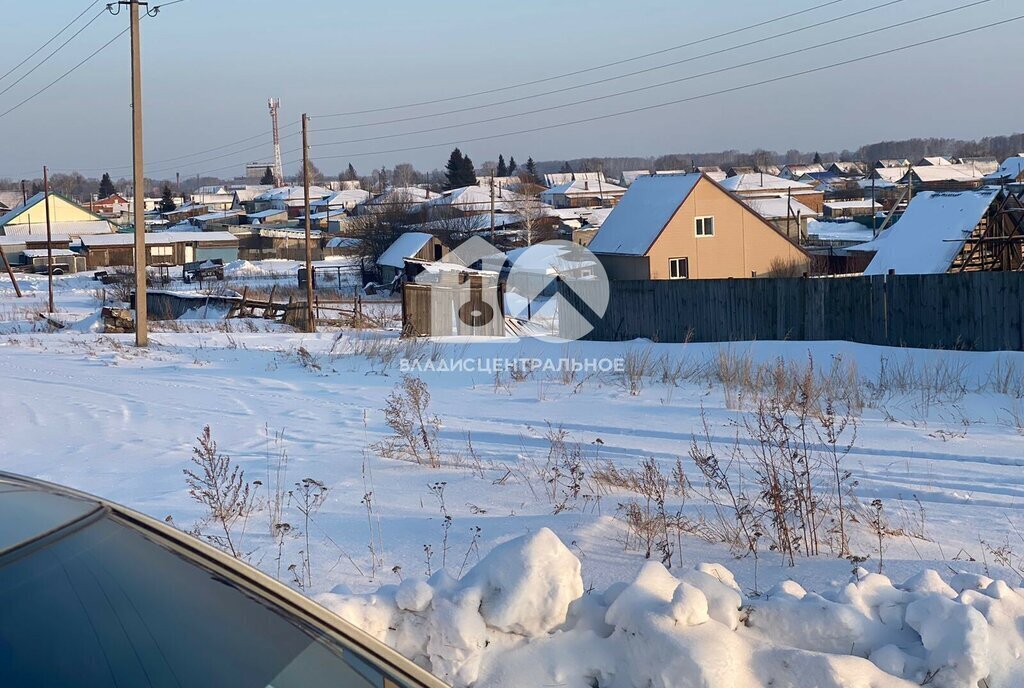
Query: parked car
x=94, y=594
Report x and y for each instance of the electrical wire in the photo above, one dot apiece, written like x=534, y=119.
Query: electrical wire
x=54, y=52
x=662, y=84
x=52, y=39
x=631, y=111
x=587, y=69
x=627, y=75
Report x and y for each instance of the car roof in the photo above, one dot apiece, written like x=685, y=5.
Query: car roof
x=28, y=512
x=48, y=511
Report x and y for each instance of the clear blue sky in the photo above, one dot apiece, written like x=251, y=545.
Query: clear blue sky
x=210, y=65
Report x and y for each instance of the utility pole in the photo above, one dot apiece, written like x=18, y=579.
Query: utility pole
x=10, y=273
x=24, y=193
x=492, y=208
x=49, y=237
x=310, y=314
x=138, y=172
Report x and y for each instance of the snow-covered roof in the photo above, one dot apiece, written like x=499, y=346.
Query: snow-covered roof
x=477, y=198
x=847, y=230
x=945, y=173
x=157, y=238
x=859, y=203
x=293, y=193
x=403, y=194
x=405, y=246
x=797, y=170
x=757, y=181
x=467, y=223
x=558, y=178
x=41, y=252
x=930, y=234
x=65, y=228
x=1010, y=170
x=775, y=208
x=219, y=215
x=345, y=198
x=582, y=187
x=264, y=214
x=642, y=213
x=934, y=160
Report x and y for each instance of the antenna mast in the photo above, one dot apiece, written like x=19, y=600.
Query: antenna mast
x=274, y=104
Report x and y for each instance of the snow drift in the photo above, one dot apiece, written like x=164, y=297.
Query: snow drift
x=521, y=618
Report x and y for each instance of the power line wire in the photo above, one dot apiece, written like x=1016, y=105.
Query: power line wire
x=617, y=77
x=62, y=76
x=587, y=69
x=52, y=39
x=679, y=101
x=662, y=84
x=54, y=52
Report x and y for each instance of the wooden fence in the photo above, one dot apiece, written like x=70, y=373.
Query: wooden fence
x=982, y=311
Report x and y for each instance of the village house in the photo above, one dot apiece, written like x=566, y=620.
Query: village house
x=787, y=215
x=67, y=219
x=162, y=248
x=867, y=207
x=758, y=185
x=795, y=171
x=688, y=227
x=30, y=253
x=263, y=242
x=948, y=177
x=583, y=194
x=888, y=163
x=113, y=205
x=414, y=246
x=847, y=169
x=1010, y=172
x=959, y=231
x=558, y=178
x=628, y=177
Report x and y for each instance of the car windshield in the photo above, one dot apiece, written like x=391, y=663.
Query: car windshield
x=105, y=605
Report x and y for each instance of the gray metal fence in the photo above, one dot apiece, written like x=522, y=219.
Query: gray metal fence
x=981, y=311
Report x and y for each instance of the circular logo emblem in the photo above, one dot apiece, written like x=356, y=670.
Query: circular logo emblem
x=557, y=289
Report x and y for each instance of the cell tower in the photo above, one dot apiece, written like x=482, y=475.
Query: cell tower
x=274, y=104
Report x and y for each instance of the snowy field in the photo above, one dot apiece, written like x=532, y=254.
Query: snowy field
x=577, y=528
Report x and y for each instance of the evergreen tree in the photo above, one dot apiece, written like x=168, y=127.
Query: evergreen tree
x=468, y=172
x=268, y=177
x=453, y=170
x=817, y=158
x=459, y=171
x=349, y=175
x=531, y=169
x=167, y=203
x=502, y=170
x=566, y=168
x=106, y=186
x=512, y=166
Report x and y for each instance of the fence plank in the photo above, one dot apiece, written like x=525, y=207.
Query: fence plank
x=977, y=311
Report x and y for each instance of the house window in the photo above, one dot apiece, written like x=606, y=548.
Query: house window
x=679, y=268
x=161, y=251
x=704, y=226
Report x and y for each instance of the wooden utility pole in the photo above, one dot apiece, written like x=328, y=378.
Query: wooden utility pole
x=24, y=193
x=49, y=236
x=492, y=208
x=310, y=314
x=138, y=179
x=10, y=273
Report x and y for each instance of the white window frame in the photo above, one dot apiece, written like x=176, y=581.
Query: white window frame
x=161, y=251
x=680, y=261
x=700, y=226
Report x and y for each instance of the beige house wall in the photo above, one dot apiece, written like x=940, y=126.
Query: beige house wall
x=60, y=211
x=743, y=245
